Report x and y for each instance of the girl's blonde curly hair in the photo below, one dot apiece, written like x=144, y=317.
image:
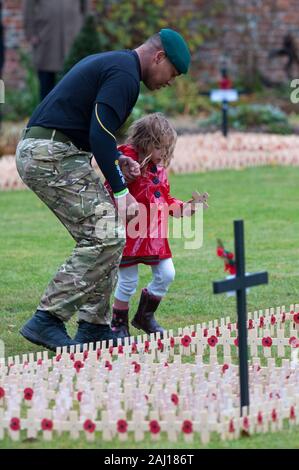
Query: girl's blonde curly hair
x=150, y=132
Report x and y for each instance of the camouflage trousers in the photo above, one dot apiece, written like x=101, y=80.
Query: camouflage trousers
x=62, y=177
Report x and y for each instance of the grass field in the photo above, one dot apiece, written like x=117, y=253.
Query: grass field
x=33, y=245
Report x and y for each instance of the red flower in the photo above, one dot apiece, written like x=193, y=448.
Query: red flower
x=262, y=322
x=260, y=418
x=147, y=345
x=99, y=352
x=160, y=344
x=108, y=365
x=250, y=324
x=212, y=341
x=72, y=356
x=28, y=393
x=120, y=349
x=166, y=364
x=187, y=426
x=292, y=413
x=175, y=399
x=224, y=368
x=89, y=426
x=296, y=318
x=205, y=332
x=2, y=392
x=273, y=320
x=217, y=331
x=122, y=425
x=236, y=342
x=15, y=424
x=47, y=424
x=154, y=427
x=229, y=326
x=292, y=312
x=110, y=350
x=193, y=334
x=246, y=423
x=79, y=396
x=267, y=342
x=293, y=341
x=283, y=318
x=231, y=427
x=220, y=251
x=274, y=415
x=39, y=362
x=78, y=365
x=58, y=357
x=137, y=368
x=85, y=355
x=230, y=255
x=185, y=341
x=134, y=348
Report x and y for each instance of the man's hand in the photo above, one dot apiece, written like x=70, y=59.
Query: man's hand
x=127, y=207
x=129, y=168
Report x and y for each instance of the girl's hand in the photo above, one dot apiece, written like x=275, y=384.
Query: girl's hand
x=130, y=169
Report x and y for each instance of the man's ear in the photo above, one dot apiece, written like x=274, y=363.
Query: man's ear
x=159, y=56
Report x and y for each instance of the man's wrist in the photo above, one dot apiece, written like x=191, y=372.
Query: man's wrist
x=121, y=193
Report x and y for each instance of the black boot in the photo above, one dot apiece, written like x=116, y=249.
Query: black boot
x=92, y=333
x=120, y=322
x=144, y=318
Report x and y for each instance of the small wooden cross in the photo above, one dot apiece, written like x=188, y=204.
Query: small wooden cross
x=198, y=198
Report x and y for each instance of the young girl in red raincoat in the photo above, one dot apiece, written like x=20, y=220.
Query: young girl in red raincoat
x=151, y=141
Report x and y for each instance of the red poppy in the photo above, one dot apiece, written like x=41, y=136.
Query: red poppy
x=134, y=348
x=217, y=331
x=175, y=399
x=85, y=355
x=231, y=427
x=267, y=342
x=205, y=332
x=172, y=342
x=79, y=396
x=122, y=425
x=292, y=312
x=72, y=356
x=58, y=357
x=110, y=350
x=273, y=320
x=15, y=424
x=166, y=364
x=28, y=393
x=89, y=426
x=160, y=344
x=229, y=326
x=236, y=342
x=108, y=365
x=230, y=255
x=193, y=334
x=47, y=424
x=220, y=251
x=260, y=418
x=283, y=318
x=187, y=426
x=120, y=349
x=147, y=346
x=99, y=352
x=185, y=341
x=78, y=365
x=250, y=324
x=224, y=367
x=137, y=368
x=274, y=415
x=154, y=426
x=2, y=392
x=292, y=341
x=262, y=322
x=212, y=341
x=292, y=413
x=39, y=362
x=296, y=318
x=246, y=423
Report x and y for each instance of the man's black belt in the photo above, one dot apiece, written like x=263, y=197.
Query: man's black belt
x=37, y=132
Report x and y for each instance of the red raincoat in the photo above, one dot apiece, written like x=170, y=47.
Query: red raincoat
x=146, y=241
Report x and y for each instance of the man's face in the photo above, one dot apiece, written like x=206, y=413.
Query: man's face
x=161, y=72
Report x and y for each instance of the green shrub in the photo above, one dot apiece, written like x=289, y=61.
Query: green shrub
x=269, y=117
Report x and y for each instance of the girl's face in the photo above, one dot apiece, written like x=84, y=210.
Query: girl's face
x=157, y=156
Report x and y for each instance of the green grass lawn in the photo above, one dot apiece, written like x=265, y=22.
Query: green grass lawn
x=33, y=245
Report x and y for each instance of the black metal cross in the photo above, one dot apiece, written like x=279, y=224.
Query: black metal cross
x=239, y=283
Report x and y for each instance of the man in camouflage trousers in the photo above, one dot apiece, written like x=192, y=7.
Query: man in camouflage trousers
x=77, y=119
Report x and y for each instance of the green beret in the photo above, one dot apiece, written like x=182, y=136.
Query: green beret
x=176, y=49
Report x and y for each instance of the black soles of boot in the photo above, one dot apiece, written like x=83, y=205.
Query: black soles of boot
x=145, y=318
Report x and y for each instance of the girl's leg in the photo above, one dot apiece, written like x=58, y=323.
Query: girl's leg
x=126, y=287
x=163, y=276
